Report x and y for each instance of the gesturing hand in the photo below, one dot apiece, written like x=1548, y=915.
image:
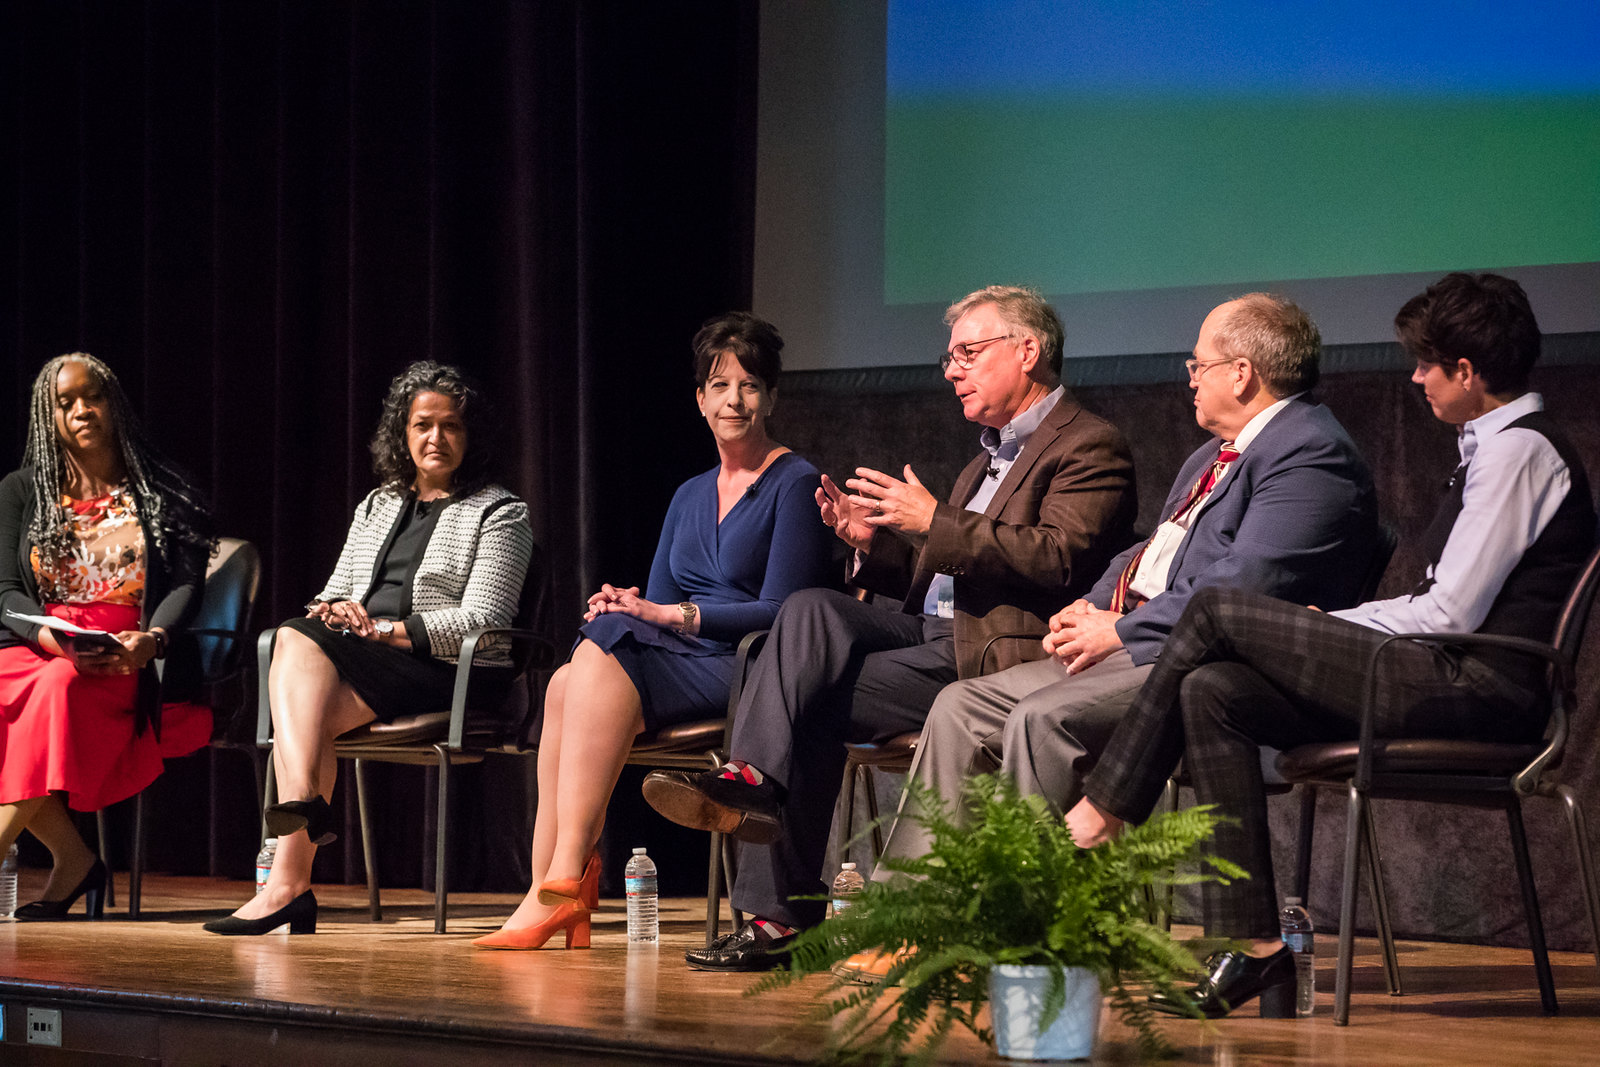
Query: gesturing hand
x=847, y=520
x=905, y=506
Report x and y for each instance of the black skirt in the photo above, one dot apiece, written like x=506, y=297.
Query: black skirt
x=394, y=682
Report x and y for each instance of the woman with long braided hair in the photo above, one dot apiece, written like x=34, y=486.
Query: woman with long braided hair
x=98, y=531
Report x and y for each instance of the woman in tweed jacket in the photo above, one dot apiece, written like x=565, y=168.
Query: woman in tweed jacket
x=435, y=551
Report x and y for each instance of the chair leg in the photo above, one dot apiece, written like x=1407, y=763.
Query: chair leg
x=871, y=780
x=369, y=844
x=714, y=890
x=258, y=762
x=847, y=801
x=1580, y=844
x=1357, y=813
x=730, y=872
x=105, y=856
x=1169, y=896
x=1380, y=906
x=1530, y=903
x=136, y=861
x=269, y=798
x=1308, y=826
x=441, y=856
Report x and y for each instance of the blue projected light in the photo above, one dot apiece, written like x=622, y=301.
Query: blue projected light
x=1108, y=146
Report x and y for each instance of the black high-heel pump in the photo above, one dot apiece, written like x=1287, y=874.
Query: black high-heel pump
x=300, y=914
x=313, y=816
x=92, y=889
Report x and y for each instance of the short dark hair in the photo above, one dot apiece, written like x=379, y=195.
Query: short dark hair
x=391, y=459
x=753, y=341
x=1482, y=318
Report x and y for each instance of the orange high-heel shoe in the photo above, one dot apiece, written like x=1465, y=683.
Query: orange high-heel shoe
x=571, y=917
x=585, y=890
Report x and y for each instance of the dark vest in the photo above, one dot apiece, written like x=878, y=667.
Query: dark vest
x=1530, y=601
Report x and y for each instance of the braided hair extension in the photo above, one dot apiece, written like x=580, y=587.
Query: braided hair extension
x=391, y=456
x=169, y=507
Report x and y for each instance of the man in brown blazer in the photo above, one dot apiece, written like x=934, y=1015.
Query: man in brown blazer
x=1032, y=521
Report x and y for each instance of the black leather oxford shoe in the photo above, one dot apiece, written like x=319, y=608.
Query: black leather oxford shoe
x=1232, y=978
x=743, y=950
x=708, y=801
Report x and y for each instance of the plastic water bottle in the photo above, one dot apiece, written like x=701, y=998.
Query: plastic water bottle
x=644, y=926
x=264, y=858
x=8, y=883
x=846, y=887
x=1301, y=938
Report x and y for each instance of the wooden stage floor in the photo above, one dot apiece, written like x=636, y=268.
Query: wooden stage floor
x=163, y=991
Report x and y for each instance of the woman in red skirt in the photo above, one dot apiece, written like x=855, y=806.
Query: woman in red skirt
x=98, y=532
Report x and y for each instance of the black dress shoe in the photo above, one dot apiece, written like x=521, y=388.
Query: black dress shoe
x=313, y=816
x=708, y=801
x=300, y=914
x=92, y=889
x=1232, y=978
x=743, y=950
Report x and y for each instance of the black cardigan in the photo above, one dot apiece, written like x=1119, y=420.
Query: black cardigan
x=171, y=597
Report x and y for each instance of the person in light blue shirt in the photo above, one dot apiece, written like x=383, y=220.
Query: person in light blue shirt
x=1511, y=535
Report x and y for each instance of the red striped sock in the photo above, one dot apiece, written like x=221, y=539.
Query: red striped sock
x=770, y=930
x=740, y=771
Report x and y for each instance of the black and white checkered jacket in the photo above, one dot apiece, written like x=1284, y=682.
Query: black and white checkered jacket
x=471, y=572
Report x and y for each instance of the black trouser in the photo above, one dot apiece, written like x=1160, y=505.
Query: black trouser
x=1241, y=671
x=833, y=670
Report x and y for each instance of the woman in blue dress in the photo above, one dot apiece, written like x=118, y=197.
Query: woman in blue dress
x=737, y=540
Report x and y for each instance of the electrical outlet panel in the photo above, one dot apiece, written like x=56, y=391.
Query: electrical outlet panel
x=44, y=1026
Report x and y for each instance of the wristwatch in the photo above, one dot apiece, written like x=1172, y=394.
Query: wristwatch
x=383, y=626
x=690, y=612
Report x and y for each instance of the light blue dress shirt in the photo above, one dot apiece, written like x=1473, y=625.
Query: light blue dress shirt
x=1515, y=481
x=1004, y=446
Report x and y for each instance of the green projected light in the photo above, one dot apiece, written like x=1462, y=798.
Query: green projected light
x=1108, y=194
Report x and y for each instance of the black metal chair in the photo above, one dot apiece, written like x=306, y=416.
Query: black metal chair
x=700, y=746
x=443, y=739
x=894, y=755
x=213, y=651
x=1466, y=773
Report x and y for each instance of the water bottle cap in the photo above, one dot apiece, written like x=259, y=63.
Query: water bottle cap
x=1291, y=901
x=847, y=867
x=638, y=852
x=270, y=841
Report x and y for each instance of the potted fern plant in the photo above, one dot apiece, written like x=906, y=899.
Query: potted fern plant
x=1008, y=894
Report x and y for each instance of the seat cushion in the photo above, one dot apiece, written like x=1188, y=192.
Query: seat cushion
x=893, y=755
x=697, y=736
x=420, y=730
x=1413, y=755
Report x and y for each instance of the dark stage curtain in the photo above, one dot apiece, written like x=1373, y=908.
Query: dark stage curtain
x=259, y=212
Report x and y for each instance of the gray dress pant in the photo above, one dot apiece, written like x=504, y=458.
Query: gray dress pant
x=833, y=670
x=1033, y=721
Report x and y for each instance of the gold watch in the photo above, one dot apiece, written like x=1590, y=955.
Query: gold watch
x=690, y=613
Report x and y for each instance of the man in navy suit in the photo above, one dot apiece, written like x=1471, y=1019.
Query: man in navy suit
x=1280, y=503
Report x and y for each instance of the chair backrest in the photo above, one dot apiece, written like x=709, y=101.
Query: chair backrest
x=233, y=578
x=1382, y=553
x=1574, y=618
x=531, y=609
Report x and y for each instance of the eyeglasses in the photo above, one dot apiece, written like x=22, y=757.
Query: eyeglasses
x=965, y=355
x=1197, y=367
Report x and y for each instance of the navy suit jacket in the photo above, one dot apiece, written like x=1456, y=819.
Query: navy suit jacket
x=1295, y=518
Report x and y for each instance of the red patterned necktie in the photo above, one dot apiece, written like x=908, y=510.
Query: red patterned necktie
x=1122, y=599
